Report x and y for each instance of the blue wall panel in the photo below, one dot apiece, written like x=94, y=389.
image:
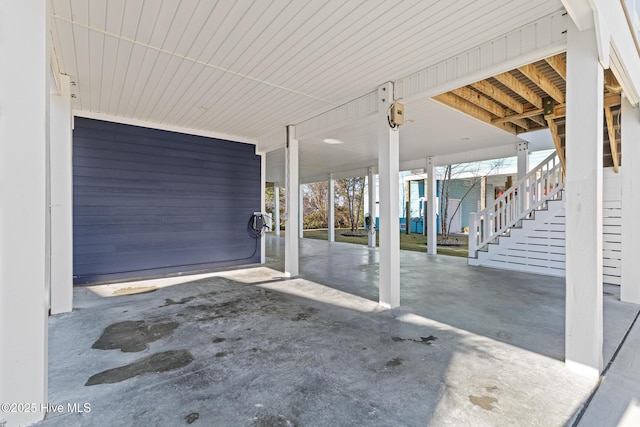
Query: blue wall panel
x=149, y=202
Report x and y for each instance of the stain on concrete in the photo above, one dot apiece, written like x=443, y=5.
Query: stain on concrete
x=132, y=335
x=169, y=301
x=423, y=340
x=428, y=340
x=221, y=354
x=485, y=402
x=491, y=389
x=156, y=363
x=274, y=421
x=394, y=362
x=192, y=417
x=217, y=340
x=134, y=290
x=304, y=315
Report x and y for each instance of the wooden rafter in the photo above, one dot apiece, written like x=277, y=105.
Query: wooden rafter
x=471, y=109
x=520, y=88
x=543, y=82
x=498, y=95
x=611, y=83
x=539, y=119
x=559, y=65
x=612, y=138
x=480, y=100
x=525, y=115
x=557, y=142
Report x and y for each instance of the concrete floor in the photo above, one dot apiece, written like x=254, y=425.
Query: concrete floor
x=469, y=346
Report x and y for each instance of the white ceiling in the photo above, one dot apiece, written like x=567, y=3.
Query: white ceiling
x=248, y=68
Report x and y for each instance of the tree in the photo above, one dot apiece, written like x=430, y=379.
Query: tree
x=316, y=200
x=352, y=192
x=477, y=170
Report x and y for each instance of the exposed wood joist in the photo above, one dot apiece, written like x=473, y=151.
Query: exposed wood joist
x=525, y=115
x=539, y=119
x=558, y=64
x=612, y=138
x=611, y=83
x=498, y=95
x=480, y=100
x=510, y=81
x=557, y=142
x=612, y=100
x=471, y=109
x=543, y=82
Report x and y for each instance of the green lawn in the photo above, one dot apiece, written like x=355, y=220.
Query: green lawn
x=410, y=242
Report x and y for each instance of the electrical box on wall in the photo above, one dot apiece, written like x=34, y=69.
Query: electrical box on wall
x=396, y=115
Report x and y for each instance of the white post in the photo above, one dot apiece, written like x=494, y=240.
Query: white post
x=583, y=189
x=263, y=189
x=630, y=176
x=389, y=170
x=331, y=220
x=24, y=137
x=432, y=235
x=472, y=234
x=291, y=217
x=371, y=183
x=523, y=159
x=523, y=169
x=276, y=209
x=301, y=212
x=61, y=190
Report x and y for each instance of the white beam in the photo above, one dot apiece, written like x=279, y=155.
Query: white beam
x=331, y=202
x=583, y=189
x=430, y=222
x=389, y=169
x=24, y=137
x=630, y=177
x=371, y=186
x=276, y=209
x=291, y=260
x=61, y=191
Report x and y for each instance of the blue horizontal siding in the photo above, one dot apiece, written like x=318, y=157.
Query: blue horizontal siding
x=149, y=202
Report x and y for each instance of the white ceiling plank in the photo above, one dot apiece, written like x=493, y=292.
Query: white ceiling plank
x=164, y=21
x=80, y=11
x=148, y=20
x=109, y=61
x=131, y=19
x=185, y=76
x=62, y=33
x=179, y=23
x=119, y=74
x=96, y=56
x=161, y=88
x=145, y=70
x=151, y=85
x=84, y=80
x=114, y=16
x=224, y=23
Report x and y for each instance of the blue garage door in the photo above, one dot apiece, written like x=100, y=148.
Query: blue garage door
x=149, y=202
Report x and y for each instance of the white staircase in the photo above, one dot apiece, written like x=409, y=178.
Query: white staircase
x=524, y=228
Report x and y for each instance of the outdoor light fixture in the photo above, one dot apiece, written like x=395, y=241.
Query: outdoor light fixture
x=332, y=141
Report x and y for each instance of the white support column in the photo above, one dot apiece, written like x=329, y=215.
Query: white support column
x=301, y=212
x=432, y=235
x=24, y=137
x=523, y=168
x=61, y=190
x=630, y=176
x=331, y=202
x=263, y=204
x=523, y=159
x=291, y=220
x=389, y=170
x=371, y=183
x=583, y=189
x=276, y=209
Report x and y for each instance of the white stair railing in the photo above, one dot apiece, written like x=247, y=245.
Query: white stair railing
x=543, y=183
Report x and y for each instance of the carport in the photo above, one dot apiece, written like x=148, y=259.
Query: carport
x=285, y=79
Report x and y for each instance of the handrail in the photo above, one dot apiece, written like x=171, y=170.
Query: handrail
x=543, y=183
